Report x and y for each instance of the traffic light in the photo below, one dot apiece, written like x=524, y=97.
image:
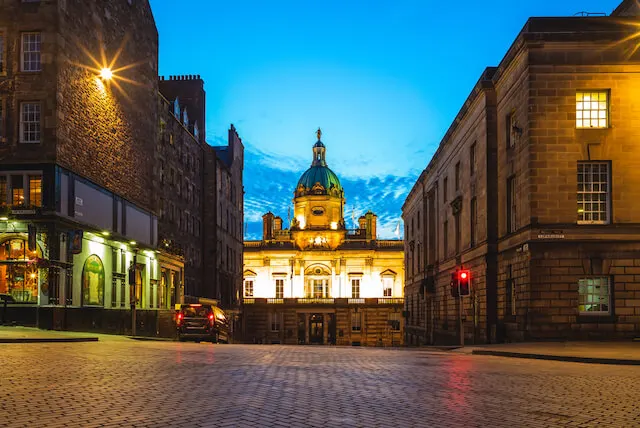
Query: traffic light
x=464, y=278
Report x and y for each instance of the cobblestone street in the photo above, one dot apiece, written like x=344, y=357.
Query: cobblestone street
x=121, y=382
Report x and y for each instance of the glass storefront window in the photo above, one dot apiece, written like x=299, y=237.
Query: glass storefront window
x=17, y=190
x=18, y=277
x=93, y=282
x=35, y=190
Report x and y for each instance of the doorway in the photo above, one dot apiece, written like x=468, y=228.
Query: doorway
x=316, y=329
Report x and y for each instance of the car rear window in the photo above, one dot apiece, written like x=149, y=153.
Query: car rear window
x=195, y=312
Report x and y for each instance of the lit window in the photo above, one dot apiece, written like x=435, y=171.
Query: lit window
x=248, y=288
x=594, y=296
x=279, y=288
x=31, y=52
x=387, y=286
x=355, y=288
x=176, y=108
x=17, y=190
x=35, y=190
x=593, y=192
x=3, y=190
x=592, y=109
x=356, y=321
x=30, y=123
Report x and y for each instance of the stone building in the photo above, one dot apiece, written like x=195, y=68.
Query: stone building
x=547, y=227
x=94, y=152
x=317, y=282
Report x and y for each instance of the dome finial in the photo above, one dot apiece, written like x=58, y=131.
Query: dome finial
x=319, y=133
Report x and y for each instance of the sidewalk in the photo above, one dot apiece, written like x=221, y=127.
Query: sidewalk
x=35, y=335
x=621, y=353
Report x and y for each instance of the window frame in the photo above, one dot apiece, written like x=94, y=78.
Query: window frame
x=607, y=109
x=472, y=159
x=609, y=295
x=274, y=321
x=607, y=202
x=22, y=122
x=248, y=282
x=473, y=217
x=353, y=281
x=356, y=321
x=511, y=203
x=510, y=122
x=32, y=192
x=279, y=282
x=457, y=176
x=23, y=52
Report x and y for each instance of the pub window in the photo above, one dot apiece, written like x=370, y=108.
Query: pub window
x=248, y=288
x=30, y=122
x=279, y=288
x=355, y=288
x=592, y=109
x=511, y=204
x=35, y=190
x=17, y=190
x=594, y=296
x=593, y=192
x=356, y=321
x=30, y=52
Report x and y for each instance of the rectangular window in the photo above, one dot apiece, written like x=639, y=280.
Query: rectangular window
x=445, y=238
x=356, y=321
x=2, y=53
x=511, y=204
x=457, y=176
x=510, y=124
x=394, y=321
x=30, y=122
x=3, y=190
x=387, y=286
x=17, y=190
x=2, y=121
x=275, y=321
x=458, y=233
x=472, y=159
x=114, y=292
x=594, y=296
x=31, y=52
x=445, y=184
x=248, y=288
x=355, y=288
x=279, y=288
x=35, y=190
x=593, y=193
x=473, y=235
x=123, y=293
x=592, y=109
x=510, y=290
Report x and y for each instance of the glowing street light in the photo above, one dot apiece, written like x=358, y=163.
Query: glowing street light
x=106, y=74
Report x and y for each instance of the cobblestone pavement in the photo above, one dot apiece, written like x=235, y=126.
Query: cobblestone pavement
x=123, y=382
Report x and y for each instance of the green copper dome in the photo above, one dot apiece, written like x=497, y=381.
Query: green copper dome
x=319, y=179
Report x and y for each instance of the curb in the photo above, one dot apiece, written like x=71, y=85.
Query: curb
x=48, y=340
x=152, y=339
x=567, y=358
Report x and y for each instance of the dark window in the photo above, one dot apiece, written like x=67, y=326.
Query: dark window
x=474, y=222
x=445, y=184
x=458, y=233
x=472, y=159
x=2, y=53
x=511, y=204
x=510, y=123
x=445, y=239
x=457, y=177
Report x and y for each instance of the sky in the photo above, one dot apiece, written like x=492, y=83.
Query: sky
x=383, y=79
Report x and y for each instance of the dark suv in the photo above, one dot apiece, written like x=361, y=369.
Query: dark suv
x=202, y=322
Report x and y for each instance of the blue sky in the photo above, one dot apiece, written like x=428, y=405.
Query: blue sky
x=383, y=79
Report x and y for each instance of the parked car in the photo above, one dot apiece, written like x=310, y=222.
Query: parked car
x=202, y=322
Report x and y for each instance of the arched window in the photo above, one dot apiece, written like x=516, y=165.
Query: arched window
x=196, y=130
x=176, y=108
x=185, y=117
x=162, y=290
x=93, y=282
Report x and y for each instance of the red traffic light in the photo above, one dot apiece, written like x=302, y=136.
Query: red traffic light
x=463, y=275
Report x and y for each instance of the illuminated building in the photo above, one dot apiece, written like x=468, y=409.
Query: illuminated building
x=532, y=189
x=318, y=282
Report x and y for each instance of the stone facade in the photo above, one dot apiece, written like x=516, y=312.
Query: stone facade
x=547, y=271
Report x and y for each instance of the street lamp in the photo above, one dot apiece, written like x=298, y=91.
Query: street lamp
x=106, y=73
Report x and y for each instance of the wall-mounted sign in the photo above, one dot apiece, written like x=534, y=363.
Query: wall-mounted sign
x=23, y=211
x=551, y=234
x=79, y=201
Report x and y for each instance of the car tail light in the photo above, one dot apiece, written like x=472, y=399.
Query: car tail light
x=179, y=318
x=211, y=318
